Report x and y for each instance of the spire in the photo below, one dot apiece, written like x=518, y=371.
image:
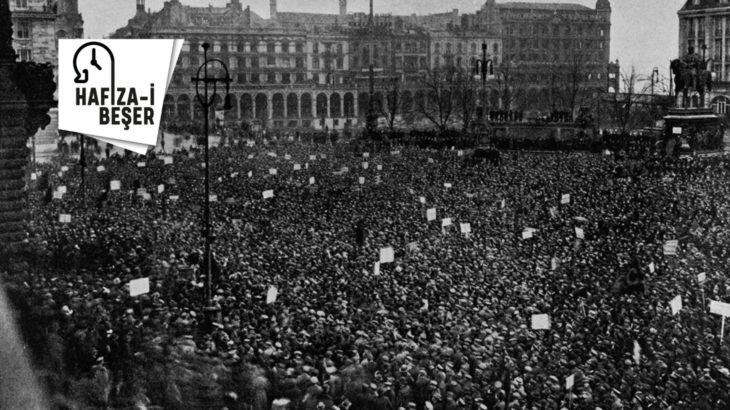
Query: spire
x=6, y=32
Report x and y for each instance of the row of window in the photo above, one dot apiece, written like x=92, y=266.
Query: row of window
x=275, y=78
x=555, y=30
x=285, y=47
x=460, y=47
x=256, y=62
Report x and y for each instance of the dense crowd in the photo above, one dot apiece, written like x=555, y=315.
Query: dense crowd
x=447, y=325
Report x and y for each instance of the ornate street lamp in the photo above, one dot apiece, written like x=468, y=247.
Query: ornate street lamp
x=484, y=68
x=207, y=100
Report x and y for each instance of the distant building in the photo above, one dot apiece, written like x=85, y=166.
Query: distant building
x=706, y=23
x=302, y=70
x=37, y=27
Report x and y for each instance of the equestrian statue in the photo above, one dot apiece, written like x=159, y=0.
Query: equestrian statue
x=691, y=74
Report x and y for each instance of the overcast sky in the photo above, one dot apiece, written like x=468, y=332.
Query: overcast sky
x=644, y=32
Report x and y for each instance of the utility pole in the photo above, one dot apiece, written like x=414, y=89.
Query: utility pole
x=371, y=122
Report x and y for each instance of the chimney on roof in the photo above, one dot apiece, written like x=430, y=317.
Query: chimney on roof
x=247, y=16
x=140, y=6
x=272, y=9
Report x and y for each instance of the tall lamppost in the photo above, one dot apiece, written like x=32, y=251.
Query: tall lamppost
x=207, y=100
x=484, y=67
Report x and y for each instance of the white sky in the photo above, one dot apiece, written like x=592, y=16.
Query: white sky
x=644, y=33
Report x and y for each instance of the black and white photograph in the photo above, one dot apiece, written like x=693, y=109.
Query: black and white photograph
x=364, y=204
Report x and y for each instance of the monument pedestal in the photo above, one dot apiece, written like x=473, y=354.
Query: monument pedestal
x=691, y=129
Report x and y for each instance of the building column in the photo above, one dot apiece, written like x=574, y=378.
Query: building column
x=356, y=112
x=342, y=105
x=270, y=106
x=192, y=109
x=286, y=103
x=723, y=52
x=314, y=106
x=238, y=107
x=253, y=107
x=329, y=105
x=174, y=104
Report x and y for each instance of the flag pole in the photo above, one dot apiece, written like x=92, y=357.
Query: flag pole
x=722, y=329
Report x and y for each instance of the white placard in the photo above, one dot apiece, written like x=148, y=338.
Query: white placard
x=271, y=295
x=62, y=189
x=701, y=278
x=570, y=381
x=64, y=218
x=213, y=198
x=115, y=185
x=160, y=188
x=376, y=269
x=269, y=194
x=366, y=155
x=465, y=227
x=637, y=352
x=323, y=156
x=394, y=152
x=447, y=185
x=311, y=180
x=139, y=287
x=312, y=157
x=446, y=222
x=540, y=322
x=287, y=157
x=422, y=199
x=720, y=308
x=652, y=267
x=297, y=167
x=361, y=180
x=365, y=165
x=250, y=156
x=272, y=154
x=168, y=160
x=141, y=165
x=459, y=153
x=174, y=197
x=579, y=233
x=100, y=168
x=57, y=195
x=554, y=263
x=146, y=196
x=431, y=214
x=387, y=255
x=676, y=304
x=64, y=168
x=676, y=130
x=565, y=199
x=670, y=247
x=250, y=174
x=273, y=171
x=503, y=204
x=33, y=176
x=379, y=167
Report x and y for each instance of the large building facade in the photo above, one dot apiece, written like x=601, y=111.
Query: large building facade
x=309, y=70
x=706, y=23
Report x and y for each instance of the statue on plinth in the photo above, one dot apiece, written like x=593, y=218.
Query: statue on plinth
x=691, y=74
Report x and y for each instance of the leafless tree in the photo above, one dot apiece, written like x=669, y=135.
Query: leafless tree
x=466, y=88
x=392, y=109
x=438, y=107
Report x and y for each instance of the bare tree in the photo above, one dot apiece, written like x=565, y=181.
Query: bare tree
x=569, y=82
x=625, y=101
x=466, y=87
x=392, y=108
x=438, y=106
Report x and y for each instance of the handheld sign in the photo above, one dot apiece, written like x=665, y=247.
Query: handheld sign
x=250, y=156
x=174, y=197
x=250, y=174
x=64, y=218
x=447, y=185
x=465, y=228
x=269, y=194
x=141, y=165
x=115, y=185
x=387, y=255
x=431, y=214
x=361, y=180
x=540, y=322
x=652, y=267
x=676, y=304
x=394, y=152
x=379, y=167
x=287, y=157
x=168, y=160
x=312, y=157
x=271, y=295
x=702, y=277
x=297, y=167
x=720, y=308
x=139, y=287
x=637, y=352
x=311, y=180
x=64, y=168
x=376, y=269
x=57, y=195
x=62, y=189
x=670, y=247
x=146, y=196
x=272, y=154
x=365, y=165
x=503, y=204
x=459, y=153
x=565, y=199
x=33, y=176
x=554, y=262
x=272, y=171
x=446, y=222
x=570, y=381
x=579, y=233
x=160, y=188
x=366, y=155
x=213, y=198
x=100, y=168
x=422, y=200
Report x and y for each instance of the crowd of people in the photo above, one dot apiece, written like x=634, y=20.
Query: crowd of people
x=308, y=317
